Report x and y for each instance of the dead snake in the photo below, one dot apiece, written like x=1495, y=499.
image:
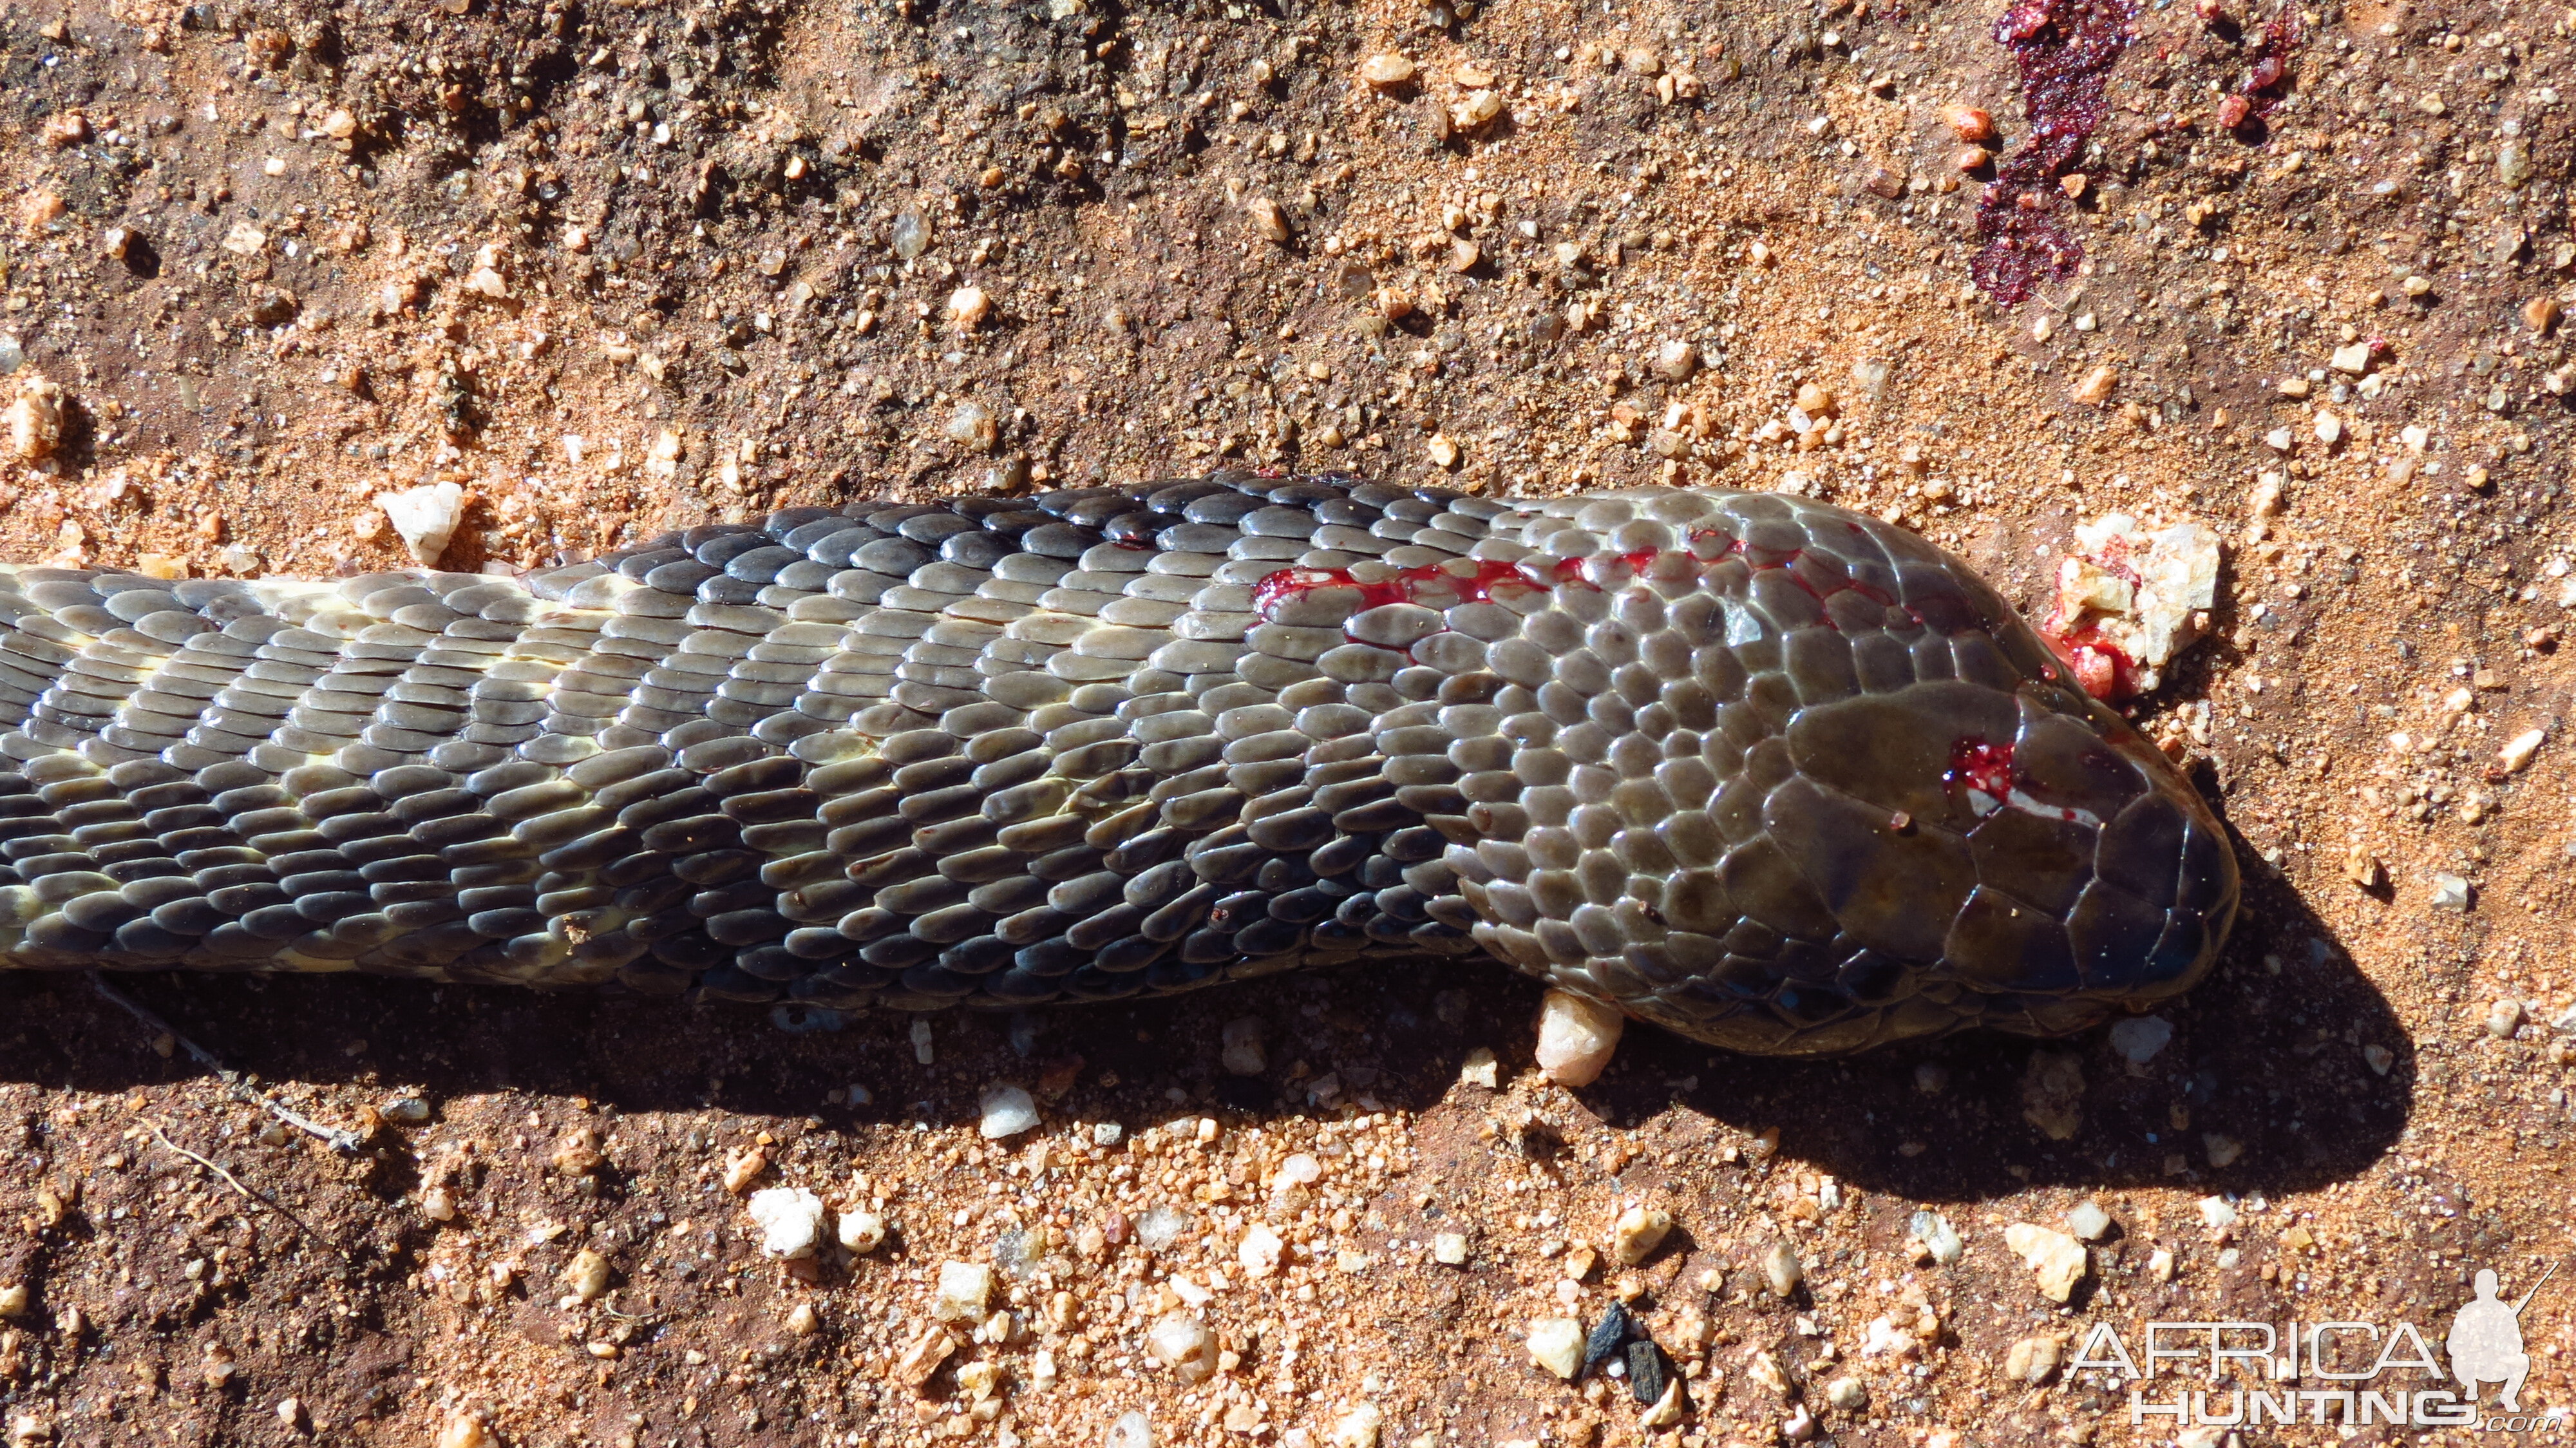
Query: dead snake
x=1766, y=772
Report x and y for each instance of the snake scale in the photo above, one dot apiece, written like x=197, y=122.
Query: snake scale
x=1769, y=773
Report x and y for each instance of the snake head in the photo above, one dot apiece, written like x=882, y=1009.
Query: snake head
x=1787, y=779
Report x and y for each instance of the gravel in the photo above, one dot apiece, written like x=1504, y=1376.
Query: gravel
x=425, y=517
x=2504, y=1019
x=1556, y=1344
x=1939, y=1238
x=2140, y=1039
x=1638, y=1232
x=586, y=1275
x=2088, y=1221
x=1260, y=1251
x=1781, y=1269
x=860, y=1231
x=1576, y=1038
x=2033, y=1359
x=1006, y=1111
x=1242, y=1051
x=1159, y=1227
x=1182, y=1342
x=790, y=1220
x=965, y=1292
x=2058, y=1261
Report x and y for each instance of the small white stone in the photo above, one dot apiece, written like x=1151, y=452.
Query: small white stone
x=1781, y=1269
x=1848, y=1394
x=2034, y=1359
x=1260, y=1250
x=1387, y=70
x=34, y=420
x=2504, y=1019
x=971, y=425
x=1359, y=1427
x=968, y=307
x=1556, y=1344
x=2353, y=360
x=965, y=1292
x=1182, y=1342
x=587, y=1275
x=2518, y=750
x=1576, y=1037
x=1007, y=1111
x=1885, y=1339
x=1243, y=1054
x=425, y=516
x=1132, y=1430
x=2160, y=1264
x=1638, y=1232
x=1268, y=220
x=2056, y=1259
x=1481, y=1069
x=790, y=1220
x=1160, y=1227
x=1938, y=1237
x=1667, y=1410
x=861, y=1232
x=1449, y=1249
x=2088, y=1221
x=1676, y=360
x=2139, y=1038
x=2217, y=1214
x=2450, y=892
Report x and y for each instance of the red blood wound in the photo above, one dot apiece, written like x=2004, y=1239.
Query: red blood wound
x=1984, y=767
x=1406, y=586
x=2101, y=668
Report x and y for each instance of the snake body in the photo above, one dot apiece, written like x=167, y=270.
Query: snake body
x=1772, y=774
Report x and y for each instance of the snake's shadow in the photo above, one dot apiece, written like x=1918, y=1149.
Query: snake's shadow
x=2285, y=1070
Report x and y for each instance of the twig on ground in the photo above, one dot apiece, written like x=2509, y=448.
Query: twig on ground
x=338, y=1139
x=248, y=1192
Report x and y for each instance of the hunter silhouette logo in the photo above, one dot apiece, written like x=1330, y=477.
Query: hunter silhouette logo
x=2486, y=1341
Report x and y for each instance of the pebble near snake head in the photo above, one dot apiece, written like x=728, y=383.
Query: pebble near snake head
x=1771, y=774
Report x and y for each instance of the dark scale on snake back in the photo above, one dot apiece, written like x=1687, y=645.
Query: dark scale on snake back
x=1774, y=775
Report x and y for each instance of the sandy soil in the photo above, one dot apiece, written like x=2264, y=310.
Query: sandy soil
x=619, y=268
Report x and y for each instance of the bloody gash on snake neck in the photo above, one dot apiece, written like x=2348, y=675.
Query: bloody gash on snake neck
x=1765, y=772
